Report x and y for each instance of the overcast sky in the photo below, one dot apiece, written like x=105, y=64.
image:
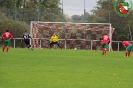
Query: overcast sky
x=72, y=7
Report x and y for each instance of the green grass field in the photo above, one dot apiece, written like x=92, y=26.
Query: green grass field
x=55, y=68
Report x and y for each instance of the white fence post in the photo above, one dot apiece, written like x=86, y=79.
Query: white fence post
x=14, y=43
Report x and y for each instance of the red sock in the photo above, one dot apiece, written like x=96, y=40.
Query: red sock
x=7, y=48
x=105, y=51
x=3, y=48
x=126, y=54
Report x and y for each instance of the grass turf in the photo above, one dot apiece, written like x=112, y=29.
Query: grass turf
x=55, y=68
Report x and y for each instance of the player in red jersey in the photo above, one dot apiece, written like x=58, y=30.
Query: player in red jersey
x=6, y=36
x=128, y=47
x=105, y=40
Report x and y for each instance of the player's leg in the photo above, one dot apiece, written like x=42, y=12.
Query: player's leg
x=7, y=48
x=58, y=45
x=129, y=51
x=129, y=48
x=3, y=48
x=25, y=41
x=4, y=45
x=28, y=43
x=8, y=44
x=30, y=47
x=51, y=44
x=103, y=49
x=126, y=53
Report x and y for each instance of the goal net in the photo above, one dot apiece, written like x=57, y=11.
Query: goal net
x=71, y=35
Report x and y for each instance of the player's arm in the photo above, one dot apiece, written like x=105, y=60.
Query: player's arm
x=57, y=39
x=51, y=39
x=11, y=36
x=29, y=36
x=2, y=36
x=124, y=45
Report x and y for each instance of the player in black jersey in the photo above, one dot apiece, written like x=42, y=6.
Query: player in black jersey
x=26, y=38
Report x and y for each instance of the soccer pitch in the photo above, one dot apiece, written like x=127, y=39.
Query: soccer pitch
x=56, y=68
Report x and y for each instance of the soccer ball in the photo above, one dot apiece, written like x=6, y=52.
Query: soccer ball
x=75, y=48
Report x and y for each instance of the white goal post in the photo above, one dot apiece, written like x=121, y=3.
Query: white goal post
x=71, y=35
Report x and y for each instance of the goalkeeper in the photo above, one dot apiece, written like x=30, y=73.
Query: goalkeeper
x=54, y=40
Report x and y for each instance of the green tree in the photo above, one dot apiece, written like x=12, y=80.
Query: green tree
x=76, y=18
x=130, y=26
x=104, y=13
x=28, y=10
x=80, y=18
x=11, y=3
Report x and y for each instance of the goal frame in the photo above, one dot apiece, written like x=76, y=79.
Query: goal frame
x=109, y=31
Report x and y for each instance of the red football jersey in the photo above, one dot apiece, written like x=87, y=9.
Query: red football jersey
x=105, y=39
x=7, y=36
x=126, y=43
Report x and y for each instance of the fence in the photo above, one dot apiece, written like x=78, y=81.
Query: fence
x=116, y=45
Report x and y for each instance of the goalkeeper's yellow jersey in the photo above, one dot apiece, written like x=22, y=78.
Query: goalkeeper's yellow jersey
x=54, y=38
